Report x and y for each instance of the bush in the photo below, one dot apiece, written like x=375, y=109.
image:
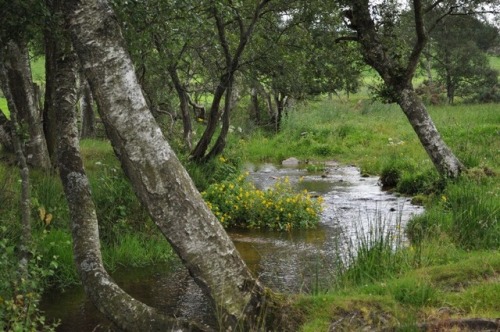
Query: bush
x=212, y=171
x=237, y=203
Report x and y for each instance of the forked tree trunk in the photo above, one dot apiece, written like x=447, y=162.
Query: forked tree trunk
x=20, y=83
x=220, y=143
x=201, y=147
x=157, y=176
x=125, y=311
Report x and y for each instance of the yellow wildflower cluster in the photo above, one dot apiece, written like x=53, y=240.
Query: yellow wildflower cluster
x=239, y=203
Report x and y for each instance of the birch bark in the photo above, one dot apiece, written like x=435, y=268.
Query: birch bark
x=397, y=75
x=157, y=176
x=126, y=312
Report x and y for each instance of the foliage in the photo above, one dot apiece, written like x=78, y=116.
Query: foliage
x=19, y=295
x=460, y=60
x=138, y=250
x=118, y=209
x=373, y=254
x=58, y=243
x=237, y=203
x=213, y=171
x=466, y=212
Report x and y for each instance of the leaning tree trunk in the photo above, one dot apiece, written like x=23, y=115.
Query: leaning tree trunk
x=397, y=75
x=442, y=157
x=20, y=82
x=157, y=176
x=126, y=312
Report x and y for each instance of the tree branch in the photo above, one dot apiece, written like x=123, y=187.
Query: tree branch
x=421, y=40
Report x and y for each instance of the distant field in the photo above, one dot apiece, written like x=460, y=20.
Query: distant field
x=38, y=69
x=3, y=106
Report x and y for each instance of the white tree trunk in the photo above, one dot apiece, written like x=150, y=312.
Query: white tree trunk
x=125, y=311
x=157, y=176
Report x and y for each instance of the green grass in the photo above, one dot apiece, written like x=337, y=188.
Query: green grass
x=3, y=106
x=466, y=287
x=38, y=69
x=446, y=265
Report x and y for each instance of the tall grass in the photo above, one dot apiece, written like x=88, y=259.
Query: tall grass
x=375, y=252
x=475, y=212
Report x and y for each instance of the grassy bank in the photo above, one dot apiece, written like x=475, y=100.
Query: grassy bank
x=451, y=268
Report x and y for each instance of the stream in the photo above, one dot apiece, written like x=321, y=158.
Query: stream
x=290, y=262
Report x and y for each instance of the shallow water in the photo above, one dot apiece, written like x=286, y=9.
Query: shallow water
x=299, y=261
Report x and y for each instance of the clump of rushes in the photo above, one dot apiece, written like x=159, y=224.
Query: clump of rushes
x=238, y=203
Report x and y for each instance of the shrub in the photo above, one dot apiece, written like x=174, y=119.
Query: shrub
x=212, y=171
x=237, y=203
x=420, y=183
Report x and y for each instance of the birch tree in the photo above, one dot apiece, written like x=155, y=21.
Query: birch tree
x=396, y=63
x=158, y=178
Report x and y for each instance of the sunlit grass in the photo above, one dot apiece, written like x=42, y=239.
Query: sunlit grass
x=3, y=106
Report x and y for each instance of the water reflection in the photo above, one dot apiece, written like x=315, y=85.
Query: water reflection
x=300, y=261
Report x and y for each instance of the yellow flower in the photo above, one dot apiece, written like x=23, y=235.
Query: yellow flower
x=443, y=198
x=222, y=159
